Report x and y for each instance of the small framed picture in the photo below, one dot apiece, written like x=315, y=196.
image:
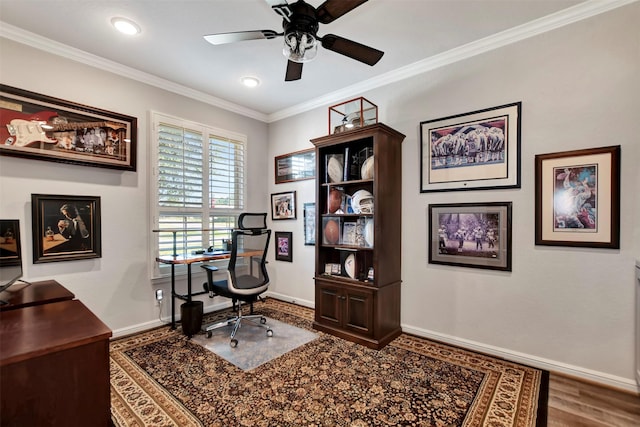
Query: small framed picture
x=283, y=205
x=284, y=247
x=296, y=166
x=578, y=198
x=65, y=228
x=476, y=235
x=310, y=224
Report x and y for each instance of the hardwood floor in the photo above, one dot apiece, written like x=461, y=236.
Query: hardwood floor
x=574, y=403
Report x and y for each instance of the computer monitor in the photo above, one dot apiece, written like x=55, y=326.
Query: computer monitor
x=10, y=253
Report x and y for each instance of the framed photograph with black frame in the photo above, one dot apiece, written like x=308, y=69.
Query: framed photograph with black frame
x=284, y=248
x=45, y=128
x=578, y=198
x=476, y=235
x=479, y=150
x=65, y=228
x=296, y=166
x=309, y=224
x=283, y=205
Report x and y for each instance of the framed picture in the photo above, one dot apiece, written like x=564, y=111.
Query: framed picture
x=45, y=128
x=474, y=235
x=296, y=166
x=578, y=198
x=65, y=228
x=310, y=224
x=283, y=205
x=479, y=150
x=284, y=246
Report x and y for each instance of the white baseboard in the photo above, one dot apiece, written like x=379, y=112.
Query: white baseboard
x=141, y=327
x=602, y=378
x=166, y=320
x=287, y=298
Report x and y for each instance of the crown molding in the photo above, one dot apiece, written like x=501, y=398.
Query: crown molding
x=542, y=25
x=551, y=22
x=25, y=37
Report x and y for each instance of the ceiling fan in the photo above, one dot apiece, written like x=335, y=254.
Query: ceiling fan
x=300, y=25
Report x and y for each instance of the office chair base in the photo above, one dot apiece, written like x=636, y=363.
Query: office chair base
x=237, y=321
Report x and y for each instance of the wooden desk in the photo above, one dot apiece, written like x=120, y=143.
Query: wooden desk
x=36, y=293
x=188, y=260
x=54, y=366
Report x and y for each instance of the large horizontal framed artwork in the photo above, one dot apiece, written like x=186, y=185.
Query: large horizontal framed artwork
x=296, y=166
x=476, y=235
x=45, y=128
x=479, y=150
x=65, y=228
x=578, y=198
x=283, y=205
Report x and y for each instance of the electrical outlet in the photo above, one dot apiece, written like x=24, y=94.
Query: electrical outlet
x=159, y=295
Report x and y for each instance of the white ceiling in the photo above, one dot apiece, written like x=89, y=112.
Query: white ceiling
x=171, y=52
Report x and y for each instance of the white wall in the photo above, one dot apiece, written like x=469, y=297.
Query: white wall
x=561, y=308
x=116, y=287
x=566, y=309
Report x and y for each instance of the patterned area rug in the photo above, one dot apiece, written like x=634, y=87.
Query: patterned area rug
x=161, y=378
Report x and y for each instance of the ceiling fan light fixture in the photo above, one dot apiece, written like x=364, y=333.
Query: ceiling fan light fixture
x=126, y=26
x=300, y=46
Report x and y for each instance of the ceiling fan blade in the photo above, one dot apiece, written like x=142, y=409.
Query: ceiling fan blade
x=294, y=71
x=224, y=38
x=331, y=10
x=355, y=50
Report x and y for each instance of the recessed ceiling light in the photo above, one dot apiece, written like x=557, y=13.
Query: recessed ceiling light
x=250, y=81
x=126, y=26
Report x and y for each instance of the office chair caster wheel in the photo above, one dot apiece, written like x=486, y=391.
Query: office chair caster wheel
x=269, y=333
x=233, y=343
x=209, y=334
x=263, y=320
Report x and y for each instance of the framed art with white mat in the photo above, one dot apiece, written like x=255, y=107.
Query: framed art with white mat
x=578, y=198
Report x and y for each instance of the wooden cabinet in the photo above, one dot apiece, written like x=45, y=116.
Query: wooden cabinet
x=358, y=234
x=54, y=366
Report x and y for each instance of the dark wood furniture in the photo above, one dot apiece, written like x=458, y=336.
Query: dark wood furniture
x=360, y=309
x=54, y=366
x=35, y=293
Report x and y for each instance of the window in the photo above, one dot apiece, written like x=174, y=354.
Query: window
x=198, y=183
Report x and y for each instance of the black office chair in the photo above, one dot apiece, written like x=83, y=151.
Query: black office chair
x=247, y=276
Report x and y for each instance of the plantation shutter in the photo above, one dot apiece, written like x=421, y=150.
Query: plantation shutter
x=200, y=184
x=226, y=173
x=180, y=167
